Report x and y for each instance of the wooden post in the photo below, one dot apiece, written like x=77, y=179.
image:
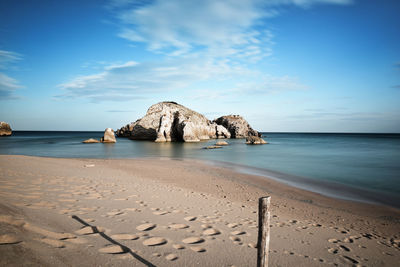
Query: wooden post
x=263, y=231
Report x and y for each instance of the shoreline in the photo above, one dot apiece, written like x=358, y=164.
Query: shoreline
x=40, y=194
x=330, y=189
x=373, y=180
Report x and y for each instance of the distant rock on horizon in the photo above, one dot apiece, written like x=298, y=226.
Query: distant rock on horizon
x=5, y=129
x=170, y=121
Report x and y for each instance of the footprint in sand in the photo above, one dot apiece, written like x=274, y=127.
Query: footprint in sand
x=235, y=238
x=178, y=226
x=112, y=249
x=333, y=250
x=160, y=212
x=252, y=245
x=115, y=213
x=349, y=259
x=88, y=230
x=155, y=241
x=47, y=233
x=233, y=225
x=125, y=237
x=198, y=249
x=132, y=209
x=344, y=248
x=193, y=240
x=211, y=231
x=171, y=257
x=238, y=233
x=190, y=218
x=146, y=227
x=10, y=220
x=9, y=239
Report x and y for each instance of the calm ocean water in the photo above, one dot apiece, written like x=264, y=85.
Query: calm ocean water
x=364, y=167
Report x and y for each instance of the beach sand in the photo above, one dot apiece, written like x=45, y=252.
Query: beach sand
x=163, y=212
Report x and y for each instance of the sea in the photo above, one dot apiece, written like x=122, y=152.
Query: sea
x=352, y=166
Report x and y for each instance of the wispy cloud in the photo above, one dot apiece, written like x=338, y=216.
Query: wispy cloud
x=213, y=40
x=130, y=80
x=8, y=85
x=219, y=28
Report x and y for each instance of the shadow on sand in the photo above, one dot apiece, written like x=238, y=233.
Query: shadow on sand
x=124, y=248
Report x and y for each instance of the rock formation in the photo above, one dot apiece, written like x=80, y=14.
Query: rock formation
x=5, y=129
x=221, y=143
x=169, y=121
x=255, y=140
x=91, y=141
x=237, y=126
x=109, y=136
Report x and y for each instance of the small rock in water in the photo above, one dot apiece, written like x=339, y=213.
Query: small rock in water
x=221, y=143
x=91, y=141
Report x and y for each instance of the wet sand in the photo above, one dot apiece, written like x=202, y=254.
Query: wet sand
x=160, y=212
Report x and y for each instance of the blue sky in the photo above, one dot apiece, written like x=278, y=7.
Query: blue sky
x=285, y=65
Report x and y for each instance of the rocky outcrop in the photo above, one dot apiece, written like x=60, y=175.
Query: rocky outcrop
x=5, y=129
x=237, y=126
x=109, y=136
x=169, y=121
x=222, y=132
x=255, y=140
x=91, y=141
x=221, y=143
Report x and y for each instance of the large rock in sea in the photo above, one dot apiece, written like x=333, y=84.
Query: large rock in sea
x=109, y=136
x=5, y=129
x=237, y=126
x=169, y=121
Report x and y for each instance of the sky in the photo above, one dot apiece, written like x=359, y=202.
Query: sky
x=284, y=65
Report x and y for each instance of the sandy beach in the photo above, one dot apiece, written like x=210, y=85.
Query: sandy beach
x=163, y=212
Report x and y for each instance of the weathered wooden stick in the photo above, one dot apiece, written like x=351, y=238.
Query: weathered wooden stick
x=263, y=231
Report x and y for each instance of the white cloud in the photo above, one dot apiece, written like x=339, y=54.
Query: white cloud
x=199, y=41
x=268, y=84
x=7, y=58
x=132, y=80
x=8, y=85
x=179, y=27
